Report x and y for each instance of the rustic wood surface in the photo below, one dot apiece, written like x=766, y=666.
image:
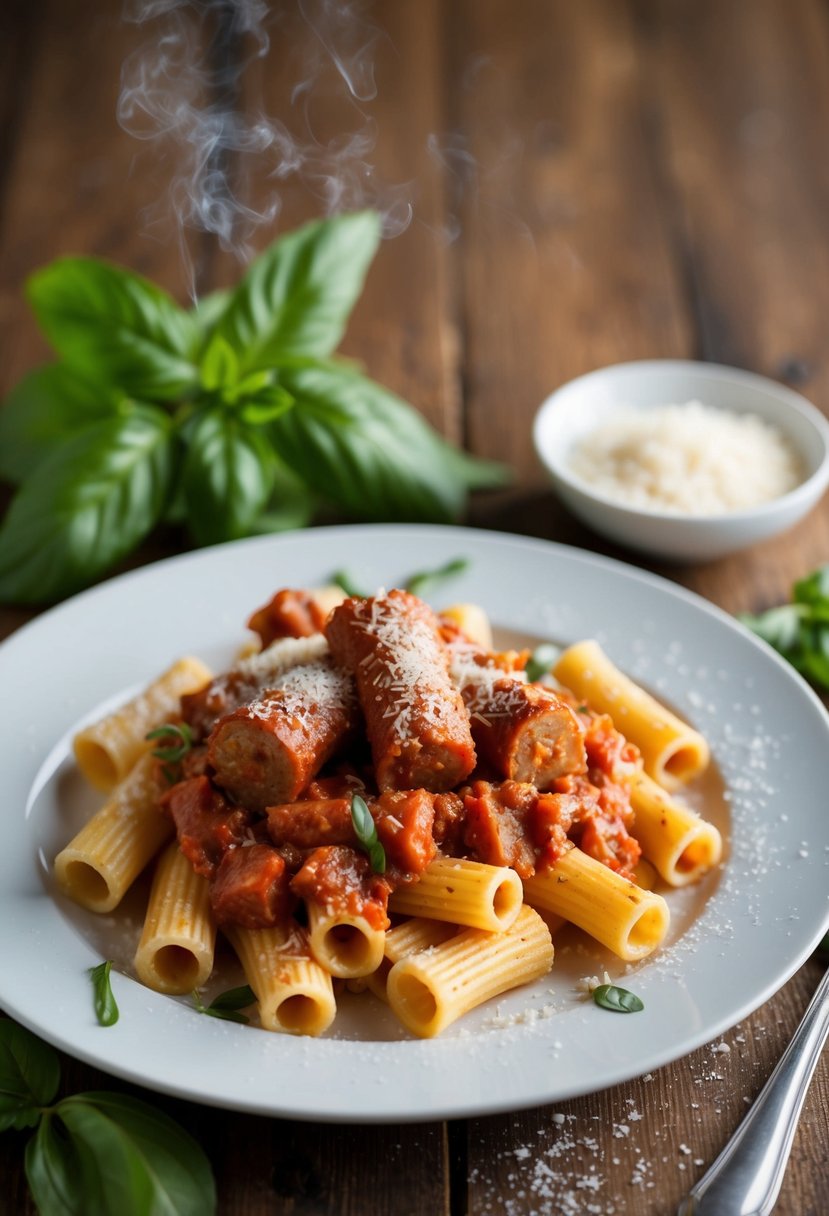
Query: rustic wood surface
x=605, y=180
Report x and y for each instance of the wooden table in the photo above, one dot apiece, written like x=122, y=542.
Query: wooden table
x=607, y=180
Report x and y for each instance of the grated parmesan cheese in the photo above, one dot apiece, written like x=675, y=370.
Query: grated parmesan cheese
x=690, y=459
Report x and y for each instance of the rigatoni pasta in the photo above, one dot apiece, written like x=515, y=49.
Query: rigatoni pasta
x=108, y=749
x=494, y=811
x=175, y=953
x=99, y=865
x=672, y=751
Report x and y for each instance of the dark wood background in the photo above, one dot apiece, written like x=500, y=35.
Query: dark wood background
x=621, y=179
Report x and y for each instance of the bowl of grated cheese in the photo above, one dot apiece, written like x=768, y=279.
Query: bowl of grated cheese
x=687, y=461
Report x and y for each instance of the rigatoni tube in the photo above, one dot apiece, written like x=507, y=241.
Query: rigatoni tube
x=108, y=749
x=175, y=953
x=430, y=990
x=102, y=861
x=295, y=994
x=629, y=921
x=464, y=893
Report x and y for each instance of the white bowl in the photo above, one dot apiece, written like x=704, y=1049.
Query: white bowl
x=577, y=408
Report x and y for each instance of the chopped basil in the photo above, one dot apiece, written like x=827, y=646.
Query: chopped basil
x=106, y=1009
x=619, y=1000
x=172, y=730
x=366, y=833
x=344, y=580
x=227, y=1005
x=426, y=580
x=541, y=660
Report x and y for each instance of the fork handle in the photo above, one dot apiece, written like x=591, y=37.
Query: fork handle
x=745, y=1179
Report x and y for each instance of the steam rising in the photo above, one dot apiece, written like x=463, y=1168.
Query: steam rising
x=184, y=87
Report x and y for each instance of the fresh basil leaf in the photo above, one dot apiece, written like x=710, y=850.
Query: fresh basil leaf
x=541, y=660
x=207, y=311
x=61, y=1182
x=426, y=581
x=296, y=297
x=343, y=579
x=291, y=505
x=268, y=403
x=364, y=449
x=219, y=366
x=778, y=626
x=366, y=833
x=29, y=1076
x=228, y=1004
x=135, y=1158
x=42, y=411
x=172, y=731
x=113, y=325
x=234, y=998
x=814, y=589
x=618, y=1000
x=106, y=1008
x=86, y=506
x=227, y=477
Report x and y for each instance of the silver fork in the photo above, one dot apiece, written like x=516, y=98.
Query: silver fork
x=745, y=1179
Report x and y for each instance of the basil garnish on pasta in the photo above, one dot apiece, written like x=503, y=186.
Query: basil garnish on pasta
x=227, y=1005
x=426, y=580
x=541, y=660
x=366, y=834
x=618, y=1000
x=177, y=751
x=106, y=1008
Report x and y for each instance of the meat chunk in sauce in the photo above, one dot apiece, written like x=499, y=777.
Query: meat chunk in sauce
x=251, y=888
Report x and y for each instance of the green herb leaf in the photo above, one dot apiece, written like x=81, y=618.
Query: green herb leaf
x=234, y=998
x=779, y=626
x=364, y=449
x=366, y=833
x=343, y=579
x=115, y=326
x=206, y=312
x=813, y=589
x=106, y=1009
x=117, y=1154
x=45, y=408
x=228, y=475
x=219, y=365
x=426, y=581
x=59, y=1178
x=265, y=405
x=296, y=297
x=29, y=1076
x=291, y=504
x=86, y=506
x=618, y=1000
x=541, y=661
x=172, y=730
x=227, y=1005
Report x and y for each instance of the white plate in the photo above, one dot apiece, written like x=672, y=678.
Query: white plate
x=755, y=923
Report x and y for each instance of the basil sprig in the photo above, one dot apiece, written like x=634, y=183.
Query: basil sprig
x=232, y=418
x=106, y=1008
x=172, y=730
x=346, y=583
x=541, y=661
x=227, y=1005
x=366, y=833
x=799, y=630
x=426, y=581
x=96, y=1152
x=618, y=1000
